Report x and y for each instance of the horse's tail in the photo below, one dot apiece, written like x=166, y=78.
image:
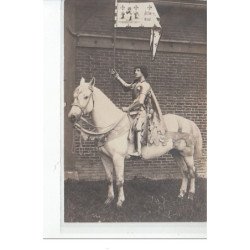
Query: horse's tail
x=198, y=143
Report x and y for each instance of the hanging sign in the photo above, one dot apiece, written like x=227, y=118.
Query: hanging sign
x=143, y=15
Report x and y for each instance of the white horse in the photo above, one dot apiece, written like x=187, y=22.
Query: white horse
x=109, y=120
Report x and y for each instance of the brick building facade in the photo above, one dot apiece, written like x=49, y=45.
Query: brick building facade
x=177, y=76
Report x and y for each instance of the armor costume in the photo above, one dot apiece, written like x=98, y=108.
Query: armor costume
x=140, y=91
x=146, y=113
x=138, y=109
x=148, y=125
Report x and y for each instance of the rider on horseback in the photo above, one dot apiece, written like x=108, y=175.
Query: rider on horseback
x=141, y=107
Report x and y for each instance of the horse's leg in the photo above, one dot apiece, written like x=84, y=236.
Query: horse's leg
x=184, y=170
x=118, y=161
x=191, y=168
x=108, y=165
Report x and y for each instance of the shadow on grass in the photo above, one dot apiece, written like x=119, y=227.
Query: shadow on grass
x=146, y=201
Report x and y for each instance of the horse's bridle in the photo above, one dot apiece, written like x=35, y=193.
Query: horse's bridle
x=81, y=108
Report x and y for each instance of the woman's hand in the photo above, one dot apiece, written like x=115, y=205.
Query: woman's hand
x=125, y=109
x=114, y=73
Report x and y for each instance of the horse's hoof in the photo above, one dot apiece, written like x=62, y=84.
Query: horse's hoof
x=119, y=204
x=108, y=201
x=181, y=195
x=191, y=196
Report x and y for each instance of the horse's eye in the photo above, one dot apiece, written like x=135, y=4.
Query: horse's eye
x=86, y=97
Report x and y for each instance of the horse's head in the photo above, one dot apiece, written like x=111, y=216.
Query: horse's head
x=83, y=100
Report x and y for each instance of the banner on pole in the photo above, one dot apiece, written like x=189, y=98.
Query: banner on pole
x=137, y=15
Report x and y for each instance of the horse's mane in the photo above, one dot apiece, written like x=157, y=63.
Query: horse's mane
x=105, y=111
x=101, y=95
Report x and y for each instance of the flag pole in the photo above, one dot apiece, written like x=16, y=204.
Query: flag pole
x=114, y=35
x=114, y=43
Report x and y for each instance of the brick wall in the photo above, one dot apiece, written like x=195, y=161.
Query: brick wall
x=69, y=78
x=178, y=80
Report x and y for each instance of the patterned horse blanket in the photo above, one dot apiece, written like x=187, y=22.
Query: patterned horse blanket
x=153, y=130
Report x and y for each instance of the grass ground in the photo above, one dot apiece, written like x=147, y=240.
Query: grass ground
x=146, y=201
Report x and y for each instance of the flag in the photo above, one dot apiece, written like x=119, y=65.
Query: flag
x=137, y=15
x=154, y=40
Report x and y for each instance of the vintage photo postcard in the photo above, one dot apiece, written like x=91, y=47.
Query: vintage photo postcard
x=134, y=118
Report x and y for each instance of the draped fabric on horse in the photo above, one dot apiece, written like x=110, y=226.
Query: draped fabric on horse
x=157, y=130
x=153, y=128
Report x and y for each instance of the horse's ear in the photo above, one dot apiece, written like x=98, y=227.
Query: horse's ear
x=82, y=81
x=92, y=82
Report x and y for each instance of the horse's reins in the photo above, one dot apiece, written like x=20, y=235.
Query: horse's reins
x=89, y=132
x=92, y=125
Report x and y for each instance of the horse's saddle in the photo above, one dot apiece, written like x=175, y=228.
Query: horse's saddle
x=153, y=131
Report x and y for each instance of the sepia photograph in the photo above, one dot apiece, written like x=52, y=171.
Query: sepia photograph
x=135, y=111
x=131, y=134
